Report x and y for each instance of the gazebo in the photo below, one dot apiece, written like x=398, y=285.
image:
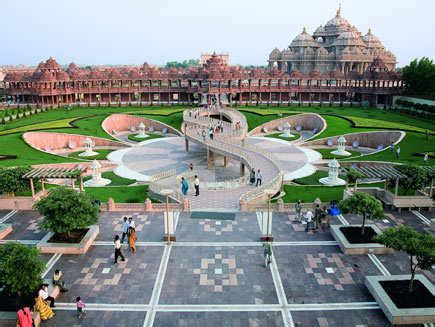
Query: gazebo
x=42, y=174
x=385, y=172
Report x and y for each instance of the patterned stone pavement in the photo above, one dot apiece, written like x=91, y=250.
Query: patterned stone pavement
x=217, y=275
x=214, y=275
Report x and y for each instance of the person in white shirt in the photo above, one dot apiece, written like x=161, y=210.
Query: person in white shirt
x=43, y=294
x=309, y=218
x=196, y=183
x=118, y=252
x=131, y=223
x=125, y=226
x=259, y=178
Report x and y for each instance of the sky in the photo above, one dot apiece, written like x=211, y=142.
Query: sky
x=157, y=31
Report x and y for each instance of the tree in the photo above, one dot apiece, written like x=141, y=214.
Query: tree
x=363, y=204
x=419, y=77
x=416, y=178
x=11, y=180
x=65, y=210
x=352, y=177
x=20, y=268
x=419, y=246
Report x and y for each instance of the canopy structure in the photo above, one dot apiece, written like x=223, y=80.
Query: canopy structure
x=57, y=173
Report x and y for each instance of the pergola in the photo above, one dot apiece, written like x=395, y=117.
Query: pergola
x=385, y=172
x=59, y=173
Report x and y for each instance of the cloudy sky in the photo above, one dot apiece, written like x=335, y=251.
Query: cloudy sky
x=157, y=31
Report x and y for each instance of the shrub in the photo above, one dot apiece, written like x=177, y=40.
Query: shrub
x=20, y=268
x=65, y=210
x=11, y=180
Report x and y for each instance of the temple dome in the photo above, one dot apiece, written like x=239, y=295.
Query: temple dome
x=320, y=31
x=304, y=40
x=350, y=38
x=275, y=54
x=62, y=75
x=338, y=24
x=371, y=40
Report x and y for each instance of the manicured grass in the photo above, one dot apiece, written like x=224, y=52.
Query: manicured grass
x=174, y=120
x=116, y=180
x=62, y=123
x=102, y=154
x=151, y=136
x=277, y=136
x=377, y=123
x=412, y=143
x=312, y=179
x=13, y=144
x=121, y=194
x=338, y=126
x=294, y=193
x=326, y=153
x=254, y=119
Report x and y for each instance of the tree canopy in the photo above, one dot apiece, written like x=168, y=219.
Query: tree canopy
x=182, y=64
x=20, y=268
x=419, y=77
x=416, y=177
x=363, y=204
x=11, y=181
x=419, y=246
x=65, y=210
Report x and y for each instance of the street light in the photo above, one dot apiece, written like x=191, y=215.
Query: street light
x=167, y=192
x=269, y=194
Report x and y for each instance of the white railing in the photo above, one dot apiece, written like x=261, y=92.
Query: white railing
x=163, y=175
x=157, y=188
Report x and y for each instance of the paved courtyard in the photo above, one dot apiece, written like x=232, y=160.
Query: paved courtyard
x=214, y=275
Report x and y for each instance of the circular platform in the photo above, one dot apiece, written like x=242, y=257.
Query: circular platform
x=157, y=155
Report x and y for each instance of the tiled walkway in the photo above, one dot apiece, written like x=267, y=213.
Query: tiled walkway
x=214, y=275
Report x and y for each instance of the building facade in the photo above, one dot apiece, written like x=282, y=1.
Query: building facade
x=49, y=85
x=337, y=46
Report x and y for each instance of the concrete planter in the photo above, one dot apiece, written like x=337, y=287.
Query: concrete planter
x=5, y=229
x=69, y=248
x=395, y=315
x=359, y=248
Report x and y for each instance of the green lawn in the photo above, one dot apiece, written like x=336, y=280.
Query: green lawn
x=411, y=144
x=277, y=136
x=151, y=136
x=116, y=180
x=255, y=119
x=102, y=154
x=326, y=153
x=294, y=193
x=312, y=179
x=121, y=194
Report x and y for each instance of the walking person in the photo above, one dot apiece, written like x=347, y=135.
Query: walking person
x=125, y=226
x=309, y=218
x=191, y=166
x=252, y=176
x=259, y=178
x=184, y=186
x=392, y=147
x=24, y=317
x=267, y=254
x=58, y=281
x=426, y=158
x=118, y=252
x=398, y=152
x=298, y=210
x=132, y=239
x=131, y=224
x=203, y=133
x=80, y=305
x=196, y=183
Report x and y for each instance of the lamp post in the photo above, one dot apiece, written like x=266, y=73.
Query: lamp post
x=167, y=192
x=268, y=237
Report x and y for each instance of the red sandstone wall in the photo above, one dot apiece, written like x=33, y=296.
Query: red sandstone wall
x=59, y=141
x=308, y=121
x=123, y=123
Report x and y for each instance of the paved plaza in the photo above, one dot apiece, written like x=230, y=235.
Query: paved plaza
x=214, y=275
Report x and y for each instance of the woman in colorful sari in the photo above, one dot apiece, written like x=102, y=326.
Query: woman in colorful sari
x=43, y=308
x=132, y=239
x=184, y=186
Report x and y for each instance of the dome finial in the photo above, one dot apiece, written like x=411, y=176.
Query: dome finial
x=304, y=30
x=338, y=10
x=369, y=31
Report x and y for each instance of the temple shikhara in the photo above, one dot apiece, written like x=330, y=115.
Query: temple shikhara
x=337, y=46
x=335, y=64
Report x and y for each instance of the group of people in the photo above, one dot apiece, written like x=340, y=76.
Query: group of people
x=321, y=217
x=185, y=185
x=129, y=232
x=255, y=177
